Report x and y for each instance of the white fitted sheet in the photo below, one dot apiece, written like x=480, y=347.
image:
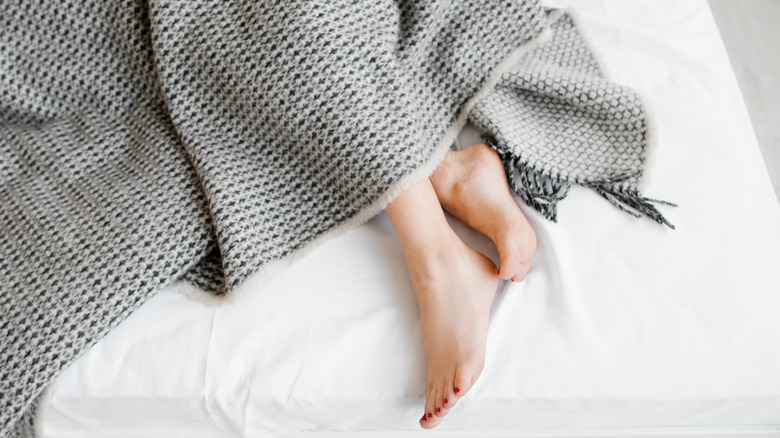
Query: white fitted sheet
x=621, y=323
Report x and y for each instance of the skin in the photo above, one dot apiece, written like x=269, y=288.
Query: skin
x=454, y=284
x=470, y=184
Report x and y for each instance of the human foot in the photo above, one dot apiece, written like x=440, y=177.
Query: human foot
x=471, y=185
x=455, y=287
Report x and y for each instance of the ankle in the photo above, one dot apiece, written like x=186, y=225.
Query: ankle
x=430, y=266
x=436, y=248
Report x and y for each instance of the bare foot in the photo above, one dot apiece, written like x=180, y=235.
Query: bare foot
x=455, y=287
x=471, y=185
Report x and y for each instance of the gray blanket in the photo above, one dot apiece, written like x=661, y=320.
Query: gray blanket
x=210, y=143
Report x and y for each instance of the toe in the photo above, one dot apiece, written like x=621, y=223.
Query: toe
x=425, y=423
x=441, y=409
x=509, y=255
x=522, y=271
x=449, y=399
x=516, y=246
x=462, y=383
x=435, y=407
x=430, y=403
x=448, y=395
x=431, y=418
x=429, y=423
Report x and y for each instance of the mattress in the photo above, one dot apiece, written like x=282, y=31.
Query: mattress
x=623, y=327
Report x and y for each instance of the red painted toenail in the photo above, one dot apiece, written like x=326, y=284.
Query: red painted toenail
x=422, y=418
x=430, y=415
x=438, y=410
x=445, y=401
x=457, y=390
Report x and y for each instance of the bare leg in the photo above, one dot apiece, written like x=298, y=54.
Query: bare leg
x=455, y=287
x=471, y=185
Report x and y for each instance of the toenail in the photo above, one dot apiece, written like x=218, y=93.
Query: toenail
x=457, y=390
x=445, y=401
x=430, y=415
x=422, y=418
x=438, y=410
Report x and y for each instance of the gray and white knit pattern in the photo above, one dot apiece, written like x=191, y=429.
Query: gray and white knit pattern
x=211, y=141
x=556, y=120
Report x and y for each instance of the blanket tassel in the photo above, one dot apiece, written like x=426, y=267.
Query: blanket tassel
x=543, y=191
x=629, y=200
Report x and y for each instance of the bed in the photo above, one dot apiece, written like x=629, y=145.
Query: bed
x=623, y=327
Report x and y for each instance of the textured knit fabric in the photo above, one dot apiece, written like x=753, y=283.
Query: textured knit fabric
x=213, y=141
x=556, y=120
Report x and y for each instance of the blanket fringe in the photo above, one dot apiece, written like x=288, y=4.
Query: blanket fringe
x=629, y=200
x=542, y=191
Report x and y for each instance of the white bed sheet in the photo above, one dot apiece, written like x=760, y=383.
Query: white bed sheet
x=621, y=324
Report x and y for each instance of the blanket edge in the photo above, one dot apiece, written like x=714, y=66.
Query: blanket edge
x=194, y=293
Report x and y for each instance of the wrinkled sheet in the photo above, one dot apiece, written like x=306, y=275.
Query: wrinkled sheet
x=622, y=323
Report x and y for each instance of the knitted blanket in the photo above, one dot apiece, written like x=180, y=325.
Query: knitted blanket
x=210, y=143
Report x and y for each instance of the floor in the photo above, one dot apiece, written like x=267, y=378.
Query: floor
x=752, y=37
